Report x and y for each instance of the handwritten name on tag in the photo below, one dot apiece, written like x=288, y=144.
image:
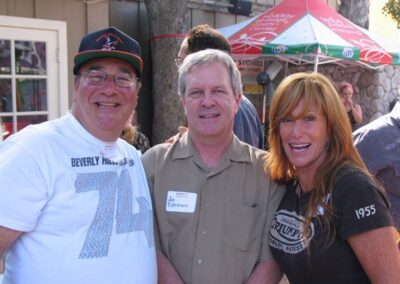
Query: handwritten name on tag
x=179, y=201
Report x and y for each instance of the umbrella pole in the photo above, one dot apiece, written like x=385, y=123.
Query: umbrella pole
x=316, y=61
x=264, y=125
x=264, y=105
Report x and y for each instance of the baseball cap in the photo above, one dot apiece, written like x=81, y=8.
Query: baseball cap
x=109, y=42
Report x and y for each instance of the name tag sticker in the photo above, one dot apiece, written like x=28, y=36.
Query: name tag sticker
x=179, y=201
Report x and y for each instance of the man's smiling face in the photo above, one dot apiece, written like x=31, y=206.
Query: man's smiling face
x=104, y=109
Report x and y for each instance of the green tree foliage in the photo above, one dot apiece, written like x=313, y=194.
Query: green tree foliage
x=392, y=8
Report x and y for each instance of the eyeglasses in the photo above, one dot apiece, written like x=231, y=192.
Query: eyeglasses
x=178, y=61
x=98, y=77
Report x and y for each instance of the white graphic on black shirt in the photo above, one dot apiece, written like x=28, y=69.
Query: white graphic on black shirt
x=287, y=232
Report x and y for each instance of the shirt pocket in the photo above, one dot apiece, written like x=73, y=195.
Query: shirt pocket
x=245, y=226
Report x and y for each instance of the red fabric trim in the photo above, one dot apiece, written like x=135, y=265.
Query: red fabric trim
x=168, y=36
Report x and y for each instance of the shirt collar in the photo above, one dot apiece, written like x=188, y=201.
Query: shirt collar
x=236, y=152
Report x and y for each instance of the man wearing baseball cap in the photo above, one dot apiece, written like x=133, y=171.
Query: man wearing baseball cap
x=75, y=205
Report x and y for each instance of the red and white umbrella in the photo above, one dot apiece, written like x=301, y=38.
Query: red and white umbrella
x=309, y=31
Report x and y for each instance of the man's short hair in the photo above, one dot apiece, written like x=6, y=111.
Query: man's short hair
x=209, y=56
x=204, y=37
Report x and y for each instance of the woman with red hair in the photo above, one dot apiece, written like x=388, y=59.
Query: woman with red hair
x=334, y=223
x=353, y=110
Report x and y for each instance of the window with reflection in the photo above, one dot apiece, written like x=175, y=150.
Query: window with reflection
x=31, y=95
x=5, y=57
x=23, y=121
x=7, y=126
x=6, y=102
x=23, y=85
x=30, y=57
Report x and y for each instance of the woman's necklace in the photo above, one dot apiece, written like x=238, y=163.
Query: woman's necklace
x=299, y=189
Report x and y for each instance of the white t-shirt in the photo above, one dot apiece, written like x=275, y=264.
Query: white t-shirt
x=83, y=204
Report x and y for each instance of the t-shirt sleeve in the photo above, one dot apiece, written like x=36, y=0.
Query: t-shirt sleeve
x=359, y=205
x=23, y=188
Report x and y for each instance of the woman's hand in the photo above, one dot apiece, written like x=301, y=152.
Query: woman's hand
x=176, y=137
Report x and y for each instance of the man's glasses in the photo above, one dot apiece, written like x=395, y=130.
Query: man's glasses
x=98, y=77
x=178, y=61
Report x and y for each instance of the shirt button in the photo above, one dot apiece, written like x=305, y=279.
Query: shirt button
x=203, y=232
x=199, y=261
x=205, y=204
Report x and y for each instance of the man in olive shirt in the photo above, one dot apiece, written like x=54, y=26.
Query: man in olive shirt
x=213, y=203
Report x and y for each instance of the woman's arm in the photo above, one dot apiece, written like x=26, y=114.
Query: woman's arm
x=378, y=254
x=357, y=113
x=166, y=272
x=266, y=272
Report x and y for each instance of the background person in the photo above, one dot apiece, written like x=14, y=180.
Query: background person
x=213, y=203
x=333, y=224
x=133, y=136
x=246, y=126
x=75, y=205
x=353, y=110
x=379, y=145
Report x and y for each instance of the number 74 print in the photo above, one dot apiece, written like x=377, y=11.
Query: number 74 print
x=112, y=187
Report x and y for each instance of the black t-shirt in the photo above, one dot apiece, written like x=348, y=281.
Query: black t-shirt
x=352, y=119
x=358, y=207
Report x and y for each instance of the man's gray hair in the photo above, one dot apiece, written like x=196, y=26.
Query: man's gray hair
x=208, y=56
